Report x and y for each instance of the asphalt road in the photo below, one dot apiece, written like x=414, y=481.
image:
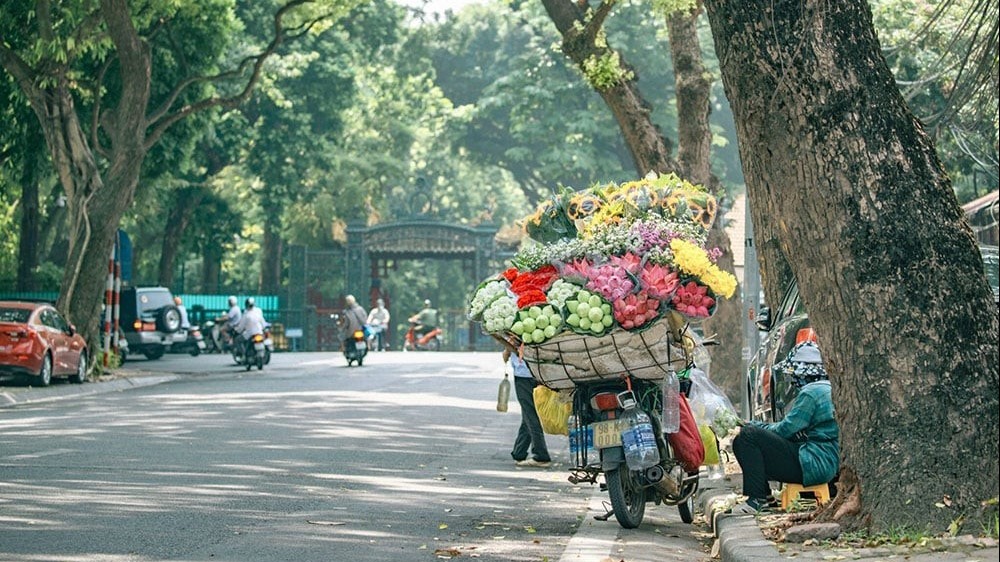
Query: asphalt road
x=403, y=459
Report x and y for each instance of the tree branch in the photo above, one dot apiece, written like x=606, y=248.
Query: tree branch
x=161, y=119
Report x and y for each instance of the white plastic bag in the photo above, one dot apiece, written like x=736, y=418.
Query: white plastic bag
x=709, y=404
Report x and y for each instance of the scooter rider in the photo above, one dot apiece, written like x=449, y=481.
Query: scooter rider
x=378, y=319
x=251, y=323
x=354, y=316
x=182, y=310
x=425, y=320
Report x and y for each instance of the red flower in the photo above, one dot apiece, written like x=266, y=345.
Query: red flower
x=539, y=279
x=530, y=297
x=510, y=274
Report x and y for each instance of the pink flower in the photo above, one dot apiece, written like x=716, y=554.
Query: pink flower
x=658, y=281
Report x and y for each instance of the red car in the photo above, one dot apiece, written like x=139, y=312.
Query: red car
x=35, y=340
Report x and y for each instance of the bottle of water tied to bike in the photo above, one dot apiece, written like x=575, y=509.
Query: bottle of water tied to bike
x=638, y=440
x=671, y=403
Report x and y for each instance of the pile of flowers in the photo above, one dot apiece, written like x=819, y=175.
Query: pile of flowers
x=639, y=247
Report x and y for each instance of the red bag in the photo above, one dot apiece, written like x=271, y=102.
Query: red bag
x=686, y=443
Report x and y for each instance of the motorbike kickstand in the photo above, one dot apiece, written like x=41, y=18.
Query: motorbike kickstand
x=608, y=512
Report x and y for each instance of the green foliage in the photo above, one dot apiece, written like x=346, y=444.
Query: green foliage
x=667, y=8
x=8, y=244
x=606, y=71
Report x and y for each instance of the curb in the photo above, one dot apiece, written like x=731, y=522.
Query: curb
x=739, y=536
x=35, y=395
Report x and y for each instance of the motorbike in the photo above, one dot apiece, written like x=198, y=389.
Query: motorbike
x=219, y=337
x=193, y=344
x=598, y=410
x=375, y=332
x=356, y=348
x=250, y=352
x=429, y=341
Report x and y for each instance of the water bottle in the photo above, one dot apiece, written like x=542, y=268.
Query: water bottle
x=574, y=437
x=592, y=455
x=503, y=394
x=638, y=440
x=671, y=403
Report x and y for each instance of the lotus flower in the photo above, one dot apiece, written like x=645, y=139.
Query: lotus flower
x=611, y=281
x=635, y=310
x=629, y=262
x=658, y=281
x=692, y=299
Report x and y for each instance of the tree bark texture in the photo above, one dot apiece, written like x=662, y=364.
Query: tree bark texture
x=694, y=141
x=843, y=177
x=650, y=150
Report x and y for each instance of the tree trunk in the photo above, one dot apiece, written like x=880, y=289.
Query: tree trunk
x=271, y=250
x=185, y=200
x=843, y=177
x=694, y=141
x=28, y=246
x=649, y=148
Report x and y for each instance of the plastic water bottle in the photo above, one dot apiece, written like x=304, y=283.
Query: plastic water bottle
x=503, y=394
x=592, y=454
x=671, y=403
x=638, y=440
x=574, y=438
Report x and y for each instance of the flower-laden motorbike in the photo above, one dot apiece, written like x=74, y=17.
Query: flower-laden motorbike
x=600, y=311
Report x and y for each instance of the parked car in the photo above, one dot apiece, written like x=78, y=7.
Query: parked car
x=150, y=321
x=767, y=395
x=37, y=342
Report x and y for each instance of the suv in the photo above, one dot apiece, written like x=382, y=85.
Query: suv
x=767, y=396
x=150, y=321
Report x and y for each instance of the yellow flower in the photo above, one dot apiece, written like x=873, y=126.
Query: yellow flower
x=689, y=257
x=693, y=260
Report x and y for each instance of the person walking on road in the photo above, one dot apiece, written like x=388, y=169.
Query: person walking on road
x=530, y=437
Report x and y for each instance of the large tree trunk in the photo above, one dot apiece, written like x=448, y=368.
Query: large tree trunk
x=28, y=244
x=185, y=200
x=843, y=177
x=694, y=141
x=271, y=249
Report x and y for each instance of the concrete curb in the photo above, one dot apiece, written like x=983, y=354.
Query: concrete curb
x=126, y=381
x=740, y=537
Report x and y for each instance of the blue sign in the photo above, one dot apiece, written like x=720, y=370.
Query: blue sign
x=123, y=254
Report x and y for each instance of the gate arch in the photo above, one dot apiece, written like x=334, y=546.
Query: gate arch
x=369, y=248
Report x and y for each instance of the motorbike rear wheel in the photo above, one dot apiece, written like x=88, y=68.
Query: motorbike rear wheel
x=628, y=498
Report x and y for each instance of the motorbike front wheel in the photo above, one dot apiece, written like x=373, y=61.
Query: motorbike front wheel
x=628, y=498
x=260, y=362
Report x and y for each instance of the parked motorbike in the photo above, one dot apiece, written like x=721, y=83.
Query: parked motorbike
x=598, y=410
x=356, y=348
x=429, y=341
x=193, y=344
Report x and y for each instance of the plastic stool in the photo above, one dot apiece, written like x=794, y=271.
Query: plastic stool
x=790, y=493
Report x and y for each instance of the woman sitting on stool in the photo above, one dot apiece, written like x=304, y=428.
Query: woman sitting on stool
x=803, y=448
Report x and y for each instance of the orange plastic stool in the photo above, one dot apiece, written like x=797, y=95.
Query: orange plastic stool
x=790, y=493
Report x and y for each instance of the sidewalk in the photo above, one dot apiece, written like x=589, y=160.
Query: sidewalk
x=121, y=379
x=741, y=538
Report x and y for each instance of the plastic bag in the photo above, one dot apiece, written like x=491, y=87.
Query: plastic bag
x=710, y=405
x=686, y=443
x=711, y=444
x=553, y=409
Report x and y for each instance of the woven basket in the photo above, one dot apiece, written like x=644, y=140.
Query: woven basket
x=567, y=359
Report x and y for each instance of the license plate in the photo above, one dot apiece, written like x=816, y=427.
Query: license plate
x=258, y=346
x=608, y=433
x=359, y=345
x=201, y=344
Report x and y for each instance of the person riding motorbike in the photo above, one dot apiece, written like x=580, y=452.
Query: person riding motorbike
x=425, y=320
x=378, y=319
x=232, y=318
x=354, y=317
x=182, y=310
x=250, y=324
